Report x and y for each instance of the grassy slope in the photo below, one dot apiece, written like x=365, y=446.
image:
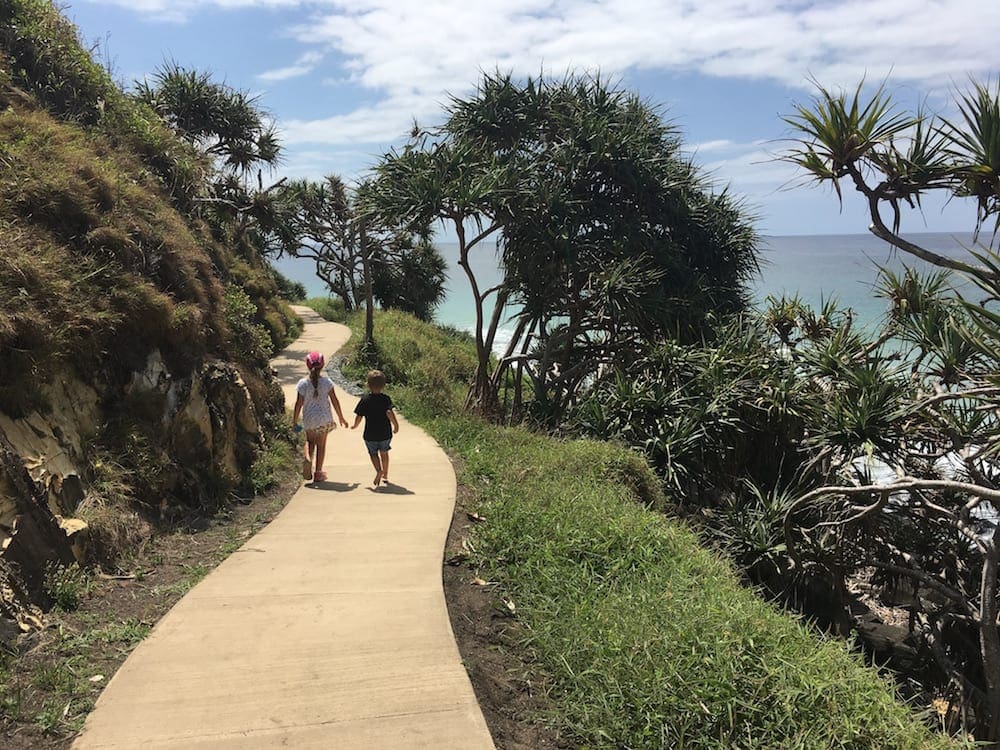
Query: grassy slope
x=649, y=641
x=103, y=261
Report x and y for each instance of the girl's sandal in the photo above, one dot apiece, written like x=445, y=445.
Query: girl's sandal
x=319, y=476
x=307, y=469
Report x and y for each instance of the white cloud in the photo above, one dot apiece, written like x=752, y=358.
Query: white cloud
x=713, y=146
x=416, y=50
x=304, y=65
x=181, y=11
x=315, y=164
x=406, y=56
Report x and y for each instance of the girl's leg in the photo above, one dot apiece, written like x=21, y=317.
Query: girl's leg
x=307, y=469
x=320, y=452
x=384, y=455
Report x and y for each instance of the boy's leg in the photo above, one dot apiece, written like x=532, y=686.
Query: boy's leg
x=384, y=455
x=377, y=463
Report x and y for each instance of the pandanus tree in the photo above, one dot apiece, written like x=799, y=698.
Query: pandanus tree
x=607, y=236
x=441, y=176
x=353, y=245
x=927, y=406
x=319, y=223
x=232, y=131
x=228, y=124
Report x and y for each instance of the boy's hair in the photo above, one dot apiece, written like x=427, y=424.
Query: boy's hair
x=376, y=379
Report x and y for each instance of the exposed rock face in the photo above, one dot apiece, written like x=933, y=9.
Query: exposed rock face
x=30, y=538
x=207, y=431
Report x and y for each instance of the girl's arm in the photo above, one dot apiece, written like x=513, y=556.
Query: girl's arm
x=298, y=409
x=336, y=406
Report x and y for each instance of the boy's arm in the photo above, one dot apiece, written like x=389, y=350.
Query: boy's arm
x=357, y=421
x=392, y=418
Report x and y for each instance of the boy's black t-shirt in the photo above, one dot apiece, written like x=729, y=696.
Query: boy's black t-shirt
x=373, y=407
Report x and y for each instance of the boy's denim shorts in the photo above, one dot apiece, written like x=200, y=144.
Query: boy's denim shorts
x=375, y=446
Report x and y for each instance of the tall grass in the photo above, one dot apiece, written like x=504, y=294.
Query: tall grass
x=427, y=367
x=647, y=640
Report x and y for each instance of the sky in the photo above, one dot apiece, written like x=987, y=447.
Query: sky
x=344, y=80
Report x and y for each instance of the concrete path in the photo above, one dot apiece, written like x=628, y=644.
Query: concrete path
x=328, y=629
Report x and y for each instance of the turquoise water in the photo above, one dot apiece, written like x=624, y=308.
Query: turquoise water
x=845, y=267
x=816, y=267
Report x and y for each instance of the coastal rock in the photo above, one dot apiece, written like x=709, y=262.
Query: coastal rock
x=77, y=536
x=32, y=537
x=214, y=426
x=200, y=427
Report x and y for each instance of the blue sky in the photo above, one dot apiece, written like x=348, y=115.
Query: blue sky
x=344, y=79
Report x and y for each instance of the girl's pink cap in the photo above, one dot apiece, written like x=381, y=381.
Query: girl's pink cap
x=314, y=359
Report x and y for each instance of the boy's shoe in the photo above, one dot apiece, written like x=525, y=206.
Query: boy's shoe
x=319, y=476
x=307, y=469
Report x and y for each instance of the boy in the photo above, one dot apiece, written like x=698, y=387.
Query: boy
x=376, y=409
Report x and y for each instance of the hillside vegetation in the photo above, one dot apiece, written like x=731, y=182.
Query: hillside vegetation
x=644, y=639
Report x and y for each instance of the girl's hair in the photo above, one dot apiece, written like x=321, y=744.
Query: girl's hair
x=315, y=362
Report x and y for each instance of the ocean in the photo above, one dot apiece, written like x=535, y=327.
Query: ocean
x=815, y=267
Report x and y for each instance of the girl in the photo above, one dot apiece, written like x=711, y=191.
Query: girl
x=315, y=394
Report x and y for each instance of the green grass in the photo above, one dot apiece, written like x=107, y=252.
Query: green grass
x=328, y=308
x=427, y=367
x=645, y=639
x=59, y=692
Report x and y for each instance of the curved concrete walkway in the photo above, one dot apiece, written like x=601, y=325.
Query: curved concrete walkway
x=328, y=629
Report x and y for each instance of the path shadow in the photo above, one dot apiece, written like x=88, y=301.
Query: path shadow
x=335, y=486
x=290, y=369
x=391, y=489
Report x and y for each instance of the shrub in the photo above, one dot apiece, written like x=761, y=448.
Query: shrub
x=647, y=640
x=67, y=585
x=276, y=460
x=250, y=339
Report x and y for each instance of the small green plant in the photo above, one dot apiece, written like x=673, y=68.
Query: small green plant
x=67, y=585
x=11, y=694
x=274, y=461
x=55, y=677
x=125, y=633
x=50, y=717
x=64, y=681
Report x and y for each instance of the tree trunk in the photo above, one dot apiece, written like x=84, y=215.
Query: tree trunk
x=989, y=640
x=369, y=297
x=478, y=397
